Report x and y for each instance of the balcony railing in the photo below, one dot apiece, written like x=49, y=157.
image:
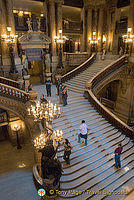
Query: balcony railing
x=72, y=27
x=75, y=59
x=14, y=93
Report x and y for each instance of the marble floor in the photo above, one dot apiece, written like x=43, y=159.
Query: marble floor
x=16, y=181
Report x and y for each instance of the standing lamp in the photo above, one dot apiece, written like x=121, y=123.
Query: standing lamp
x=128, y=39
x=60, y=40
x=16, y=128
x=10, y=40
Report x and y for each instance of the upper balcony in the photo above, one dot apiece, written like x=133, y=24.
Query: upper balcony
x=72, y=27
x=68, y=26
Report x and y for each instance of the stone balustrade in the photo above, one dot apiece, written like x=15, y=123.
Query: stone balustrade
x=9, y=82
x=75, y=59
x=113, y=119
x=78, y=69
x=15, y=93
x=108, y=70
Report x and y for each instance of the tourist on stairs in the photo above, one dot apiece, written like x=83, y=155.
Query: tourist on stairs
x=84, y=131
x=67, y=150
x=60, y=94
x=48, y=86
x=117, y=153
x=65, y=95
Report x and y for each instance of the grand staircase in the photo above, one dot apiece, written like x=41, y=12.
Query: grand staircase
x=91, y=167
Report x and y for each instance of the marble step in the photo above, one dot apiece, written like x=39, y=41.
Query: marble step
x=104, y=179
x=98, y=153
x=93, y=148
x=127, y=186
x=92, y=138
x=93, y=170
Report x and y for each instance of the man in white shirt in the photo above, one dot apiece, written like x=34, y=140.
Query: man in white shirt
x=84, y=130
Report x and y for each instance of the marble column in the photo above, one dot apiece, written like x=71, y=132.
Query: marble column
x=59, y=16
x=131, y=24
x=89, y=28
x=52, y=25
x=109, y=28
x=10, y=15
x=83, y=37
x=114, y=40
x=11, y=23
x=100, y=28
x=46, y=16
x=3, y=25
x=53, y=33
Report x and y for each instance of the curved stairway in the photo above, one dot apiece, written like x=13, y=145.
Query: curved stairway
x=92, y=167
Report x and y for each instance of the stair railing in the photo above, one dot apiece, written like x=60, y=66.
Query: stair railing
x=9, y=82
x=78, y=69
x=112, y=118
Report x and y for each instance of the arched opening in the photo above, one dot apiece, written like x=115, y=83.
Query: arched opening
x=108, y=94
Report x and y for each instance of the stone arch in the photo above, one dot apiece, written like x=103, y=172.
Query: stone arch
x=110, y=90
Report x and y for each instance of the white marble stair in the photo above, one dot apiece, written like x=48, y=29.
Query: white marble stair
x=92, y=166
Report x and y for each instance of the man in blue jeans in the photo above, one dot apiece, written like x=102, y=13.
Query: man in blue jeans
x=118, y=152
x=84, y=130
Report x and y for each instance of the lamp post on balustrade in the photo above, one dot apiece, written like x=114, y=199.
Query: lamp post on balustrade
x=10, y=40
x=60, y=40
x=128, y=40
x=16, y=127
x=94, y=41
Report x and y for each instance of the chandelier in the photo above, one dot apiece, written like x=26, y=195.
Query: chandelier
x=129, y=37
x=49, y=111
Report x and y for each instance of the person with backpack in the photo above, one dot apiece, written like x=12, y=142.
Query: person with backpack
x=83, y=132
x=65, y=95
x=67, y=150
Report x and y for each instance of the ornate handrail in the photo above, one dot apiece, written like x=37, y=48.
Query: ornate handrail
x=78, y=69
x=110, y=68
x=15, y=93
x=9, y=82
x=113, y=119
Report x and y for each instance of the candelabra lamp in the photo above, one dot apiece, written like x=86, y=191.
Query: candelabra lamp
x=58, y=135
x=47, y=111
x=128, y=40
x=16, y=127
x=94, y=41
x=10, y=40
x=60, y=40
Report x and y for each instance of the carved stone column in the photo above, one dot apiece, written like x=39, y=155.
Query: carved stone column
x=52, y=25
x=53, y=33
x=59, y=16
x=11, y=23
x=109, y=28
x=131, y=23
x=46, y=16
x=4, y=48
x=89, y=27
x=114, y=41
x=83, y=37
x=100, y=28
